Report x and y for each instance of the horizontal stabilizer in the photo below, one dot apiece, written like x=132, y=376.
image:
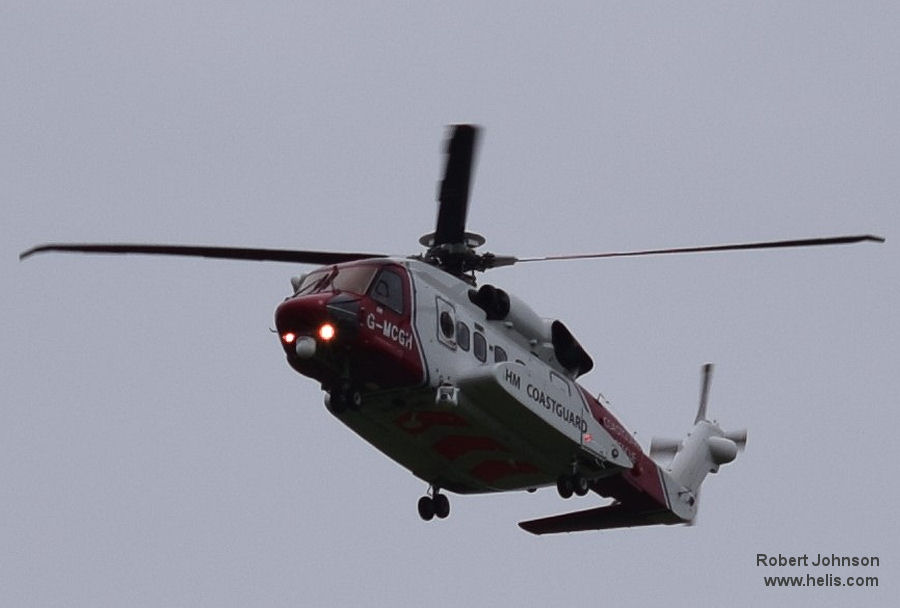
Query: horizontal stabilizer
x=617, y=515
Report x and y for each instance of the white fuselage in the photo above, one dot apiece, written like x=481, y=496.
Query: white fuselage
x=497, y=411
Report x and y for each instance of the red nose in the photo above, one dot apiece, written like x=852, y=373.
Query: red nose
x=301, y=316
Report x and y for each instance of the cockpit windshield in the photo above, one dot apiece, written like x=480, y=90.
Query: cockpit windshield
x=354, y=279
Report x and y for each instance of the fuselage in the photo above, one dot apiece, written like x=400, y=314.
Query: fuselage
x=468, y=394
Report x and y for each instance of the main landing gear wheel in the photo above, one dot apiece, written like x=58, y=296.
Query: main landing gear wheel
x=581, y=485
x=426, y=508
x=435, y=505
x=567, y=485
x=441, y=506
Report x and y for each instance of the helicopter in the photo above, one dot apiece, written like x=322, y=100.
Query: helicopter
x=464, y=384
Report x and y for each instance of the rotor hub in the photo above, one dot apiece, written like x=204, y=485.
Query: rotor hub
x=471, y=240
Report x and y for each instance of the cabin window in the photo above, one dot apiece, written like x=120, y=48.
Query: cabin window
x=479, y=346
x=499, y=355
x=388, y=290
x=446, y=322
x=462, y=335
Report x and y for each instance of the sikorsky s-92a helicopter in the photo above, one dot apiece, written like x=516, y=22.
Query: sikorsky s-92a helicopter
x=465, y=385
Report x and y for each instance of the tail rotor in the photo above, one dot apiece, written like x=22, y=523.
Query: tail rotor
x=702, y=451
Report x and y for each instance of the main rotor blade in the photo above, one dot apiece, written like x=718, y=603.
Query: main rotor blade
x=831, y=240
x=453, y=197
x=227, y=253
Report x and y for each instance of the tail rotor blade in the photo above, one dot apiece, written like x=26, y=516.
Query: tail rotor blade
x=739, y=437
x=664, y=446
x=704, y=392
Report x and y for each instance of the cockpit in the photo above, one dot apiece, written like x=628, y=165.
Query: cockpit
x=382, y=283
x=355, y=279
x=355, y=316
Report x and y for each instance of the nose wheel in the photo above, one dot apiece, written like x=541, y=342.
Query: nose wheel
x=435, y=505
x=342, y=398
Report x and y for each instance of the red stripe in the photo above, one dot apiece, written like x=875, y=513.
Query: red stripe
x=452, y=447
x=644, y=474
x=416, y=423
x=490, y=471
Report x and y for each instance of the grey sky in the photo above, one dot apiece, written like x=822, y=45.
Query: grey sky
x=155, y=448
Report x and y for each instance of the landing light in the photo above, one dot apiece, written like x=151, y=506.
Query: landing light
x=288, y=337
x=326, y=332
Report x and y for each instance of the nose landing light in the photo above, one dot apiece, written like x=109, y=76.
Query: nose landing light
x=326, y=332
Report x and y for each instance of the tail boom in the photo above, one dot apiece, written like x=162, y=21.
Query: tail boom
x=652, y=492
x=644, y=495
